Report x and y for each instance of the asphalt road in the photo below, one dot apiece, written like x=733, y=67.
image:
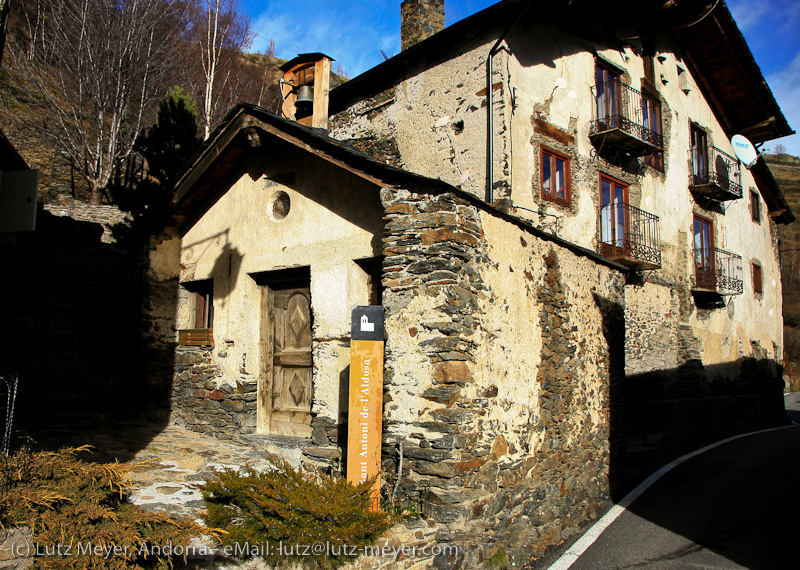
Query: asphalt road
x=791, y=402
x=734, y=506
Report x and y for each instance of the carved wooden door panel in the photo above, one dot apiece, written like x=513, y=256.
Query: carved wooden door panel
x=292, y=387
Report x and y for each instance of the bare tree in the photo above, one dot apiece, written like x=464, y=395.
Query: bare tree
x=101, y=70
x=779, y=149
x=221, y=32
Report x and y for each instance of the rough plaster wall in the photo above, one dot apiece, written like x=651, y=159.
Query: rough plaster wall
x=651, y=327
x=435, y=122
x=161, y=278
x=551, y=73
x=514, y=345
x=334, y=218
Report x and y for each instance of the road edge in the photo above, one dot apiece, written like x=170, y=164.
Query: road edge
x=588, y=538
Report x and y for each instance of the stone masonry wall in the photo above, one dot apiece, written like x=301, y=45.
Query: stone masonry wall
x=420, y=20
x=106, y=215
x=502, y=348
x=201, y=405
x=434, y=123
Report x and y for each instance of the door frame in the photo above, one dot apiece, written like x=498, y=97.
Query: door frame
x=609, y=246
x=267, y=282
x=704, y=272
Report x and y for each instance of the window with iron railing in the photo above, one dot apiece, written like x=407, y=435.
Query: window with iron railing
x=715, y=269
x=628, y=234
x=625, y=117
x=715, y=173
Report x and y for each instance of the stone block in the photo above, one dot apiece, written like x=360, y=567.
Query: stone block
x=432, y=236
x=448, y=513
x=444, y=469
x=453, y=415
x=433, y=455
x=452, y=372
x=231, y=406
x=447, y=394
x=15, y=542
x=450, y=496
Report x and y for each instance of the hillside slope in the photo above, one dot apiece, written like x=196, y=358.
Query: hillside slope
x=786, y=170
x=57, y=175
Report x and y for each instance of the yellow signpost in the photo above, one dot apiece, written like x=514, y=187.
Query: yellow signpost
x=366, y=399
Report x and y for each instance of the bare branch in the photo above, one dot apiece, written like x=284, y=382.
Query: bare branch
x=90, y=87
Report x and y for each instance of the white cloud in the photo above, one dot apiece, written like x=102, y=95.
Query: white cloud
x=748, y=14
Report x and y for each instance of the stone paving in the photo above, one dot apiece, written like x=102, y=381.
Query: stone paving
x=166, y=460
x=166, y=472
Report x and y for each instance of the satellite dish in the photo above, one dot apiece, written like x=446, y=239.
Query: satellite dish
x=744, y=150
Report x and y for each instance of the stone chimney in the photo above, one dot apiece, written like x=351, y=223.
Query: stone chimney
x=420, y=19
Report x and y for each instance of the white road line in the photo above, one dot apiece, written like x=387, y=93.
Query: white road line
x=583, y=543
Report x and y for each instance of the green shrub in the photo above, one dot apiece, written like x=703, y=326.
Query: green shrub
x=280, y=514
x=72, y=505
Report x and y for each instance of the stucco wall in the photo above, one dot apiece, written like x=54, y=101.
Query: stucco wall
x=552, y=73
x=333, y=220
x=543, y=91
x=434, y=123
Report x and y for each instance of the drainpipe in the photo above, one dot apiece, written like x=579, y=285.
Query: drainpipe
x=490, y=103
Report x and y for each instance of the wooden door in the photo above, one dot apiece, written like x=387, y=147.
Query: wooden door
x=614, y=219
x=704, y=266
x=608, y=97
x=286, y=387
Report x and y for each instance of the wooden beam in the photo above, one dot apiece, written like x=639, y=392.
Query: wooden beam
x=322, y=154
x=213, y=151
x=322, y=87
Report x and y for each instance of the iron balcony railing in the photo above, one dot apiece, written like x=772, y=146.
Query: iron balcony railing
x=630, y=236
x=716, y=173
x=627, y=117
x=717, y=270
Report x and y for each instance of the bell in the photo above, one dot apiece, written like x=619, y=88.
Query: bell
x=305, y=98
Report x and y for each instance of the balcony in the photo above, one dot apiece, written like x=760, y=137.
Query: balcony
x=626, y=119
x=717, y=271
x=715, y=175
x=630, y=236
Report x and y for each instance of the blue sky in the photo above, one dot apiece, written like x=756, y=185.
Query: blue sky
x=354, y=33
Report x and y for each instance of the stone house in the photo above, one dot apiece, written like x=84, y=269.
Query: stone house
x=574, y=268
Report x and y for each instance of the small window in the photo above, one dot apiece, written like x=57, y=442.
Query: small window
x=755, y=206
x=758, y=283
x=373, y=267
x=699, y=155
x=651, y=119
x=649, y=63
x=555, y=177
x=202, y=303
x=201, y=314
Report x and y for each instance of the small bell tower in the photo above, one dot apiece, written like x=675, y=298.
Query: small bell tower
x=305, y=87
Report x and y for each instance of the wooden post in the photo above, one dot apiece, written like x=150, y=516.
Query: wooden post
x=322, y=85
x=366, y=399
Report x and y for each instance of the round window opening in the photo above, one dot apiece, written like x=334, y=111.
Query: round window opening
x=279, y=205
